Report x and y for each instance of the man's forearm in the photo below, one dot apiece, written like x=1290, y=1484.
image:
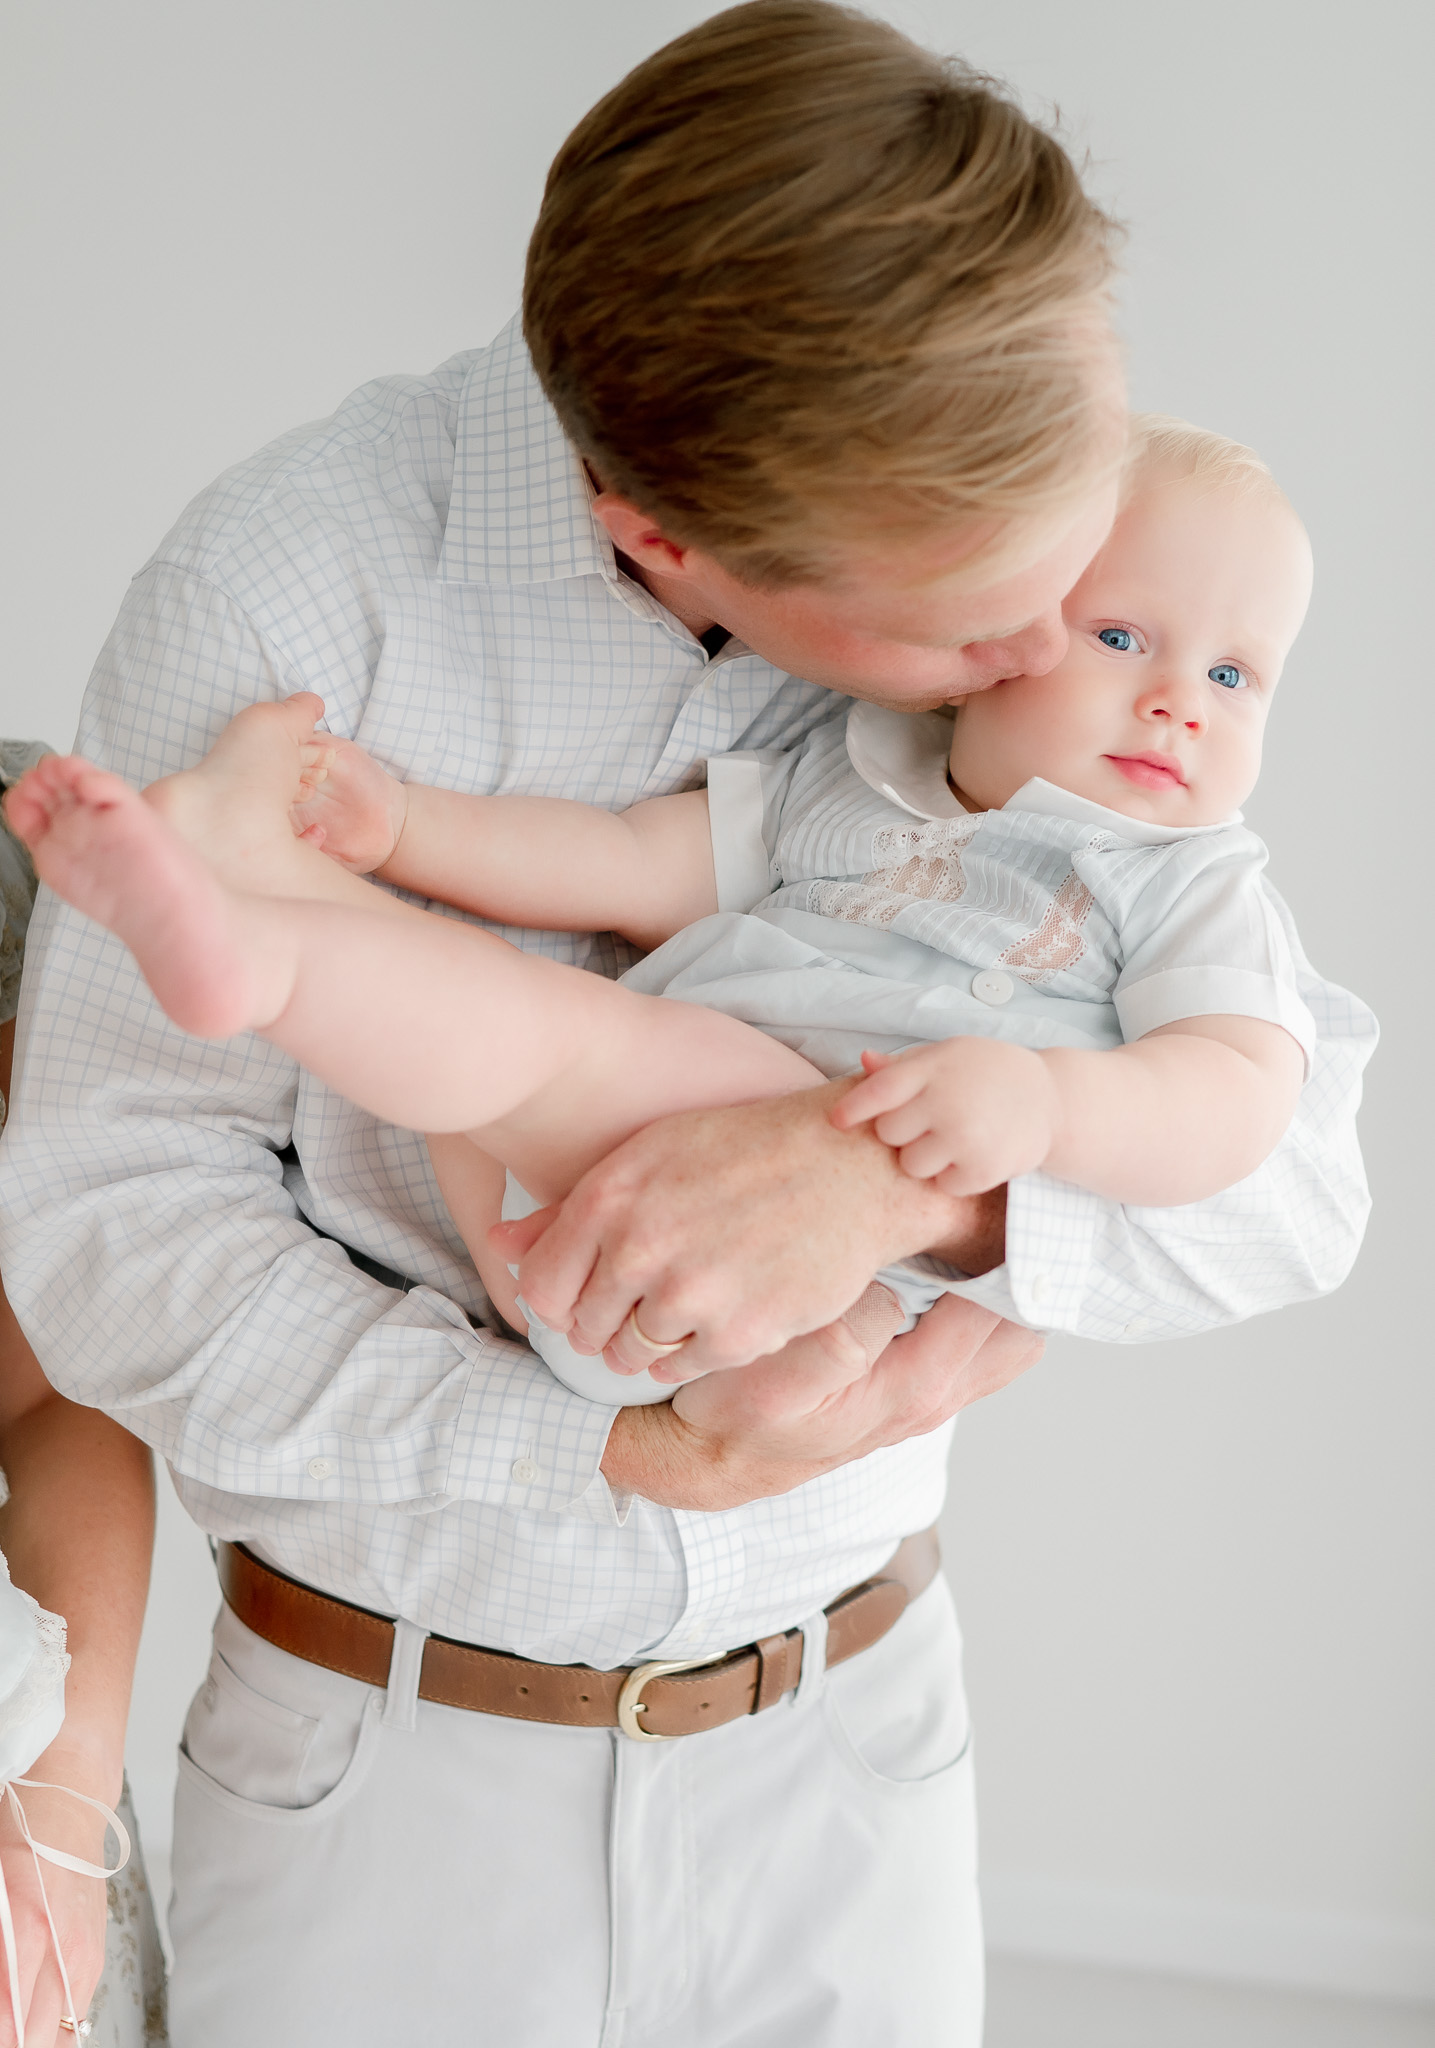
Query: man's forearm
x=978, y=1243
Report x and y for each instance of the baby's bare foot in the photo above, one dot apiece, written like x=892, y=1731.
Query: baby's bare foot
x=105, y=850
x=233, y=806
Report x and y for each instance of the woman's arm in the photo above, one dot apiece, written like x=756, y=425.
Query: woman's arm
x=77, y=1531
x=1175, y=1117
x=541, y=862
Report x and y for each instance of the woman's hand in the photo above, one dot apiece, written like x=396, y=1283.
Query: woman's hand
x=77, y=1903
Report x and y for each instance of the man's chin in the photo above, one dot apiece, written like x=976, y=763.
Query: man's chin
x=892, y=699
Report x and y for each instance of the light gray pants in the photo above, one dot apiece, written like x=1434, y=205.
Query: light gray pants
x=359, y=1868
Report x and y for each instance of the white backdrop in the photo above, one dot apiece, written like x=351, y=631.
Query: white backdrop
x=1195, y=1579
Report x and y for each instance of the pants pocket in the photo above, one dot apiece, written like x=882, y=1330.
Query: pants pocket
x=268, y=1730
x=898, y=1713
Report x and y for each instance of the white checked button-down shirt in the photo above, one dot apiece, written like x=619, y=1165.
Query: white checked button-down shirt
x=428, y=562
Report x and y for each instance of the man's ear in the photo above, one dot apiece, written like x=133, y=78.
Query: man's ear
x=639, y=537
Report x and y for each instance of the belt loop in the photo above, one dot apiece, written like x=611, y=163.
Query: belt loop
x=401, y=1702
x=813, y=1682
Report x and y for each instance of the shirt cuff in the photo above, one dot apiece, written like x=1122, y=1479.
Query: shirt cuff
x=1050, y=1229
x=524, y=1441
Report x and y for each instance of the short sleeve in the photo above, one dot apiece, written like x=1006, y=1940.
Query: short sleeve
x=746, y=793
x=1208, y=937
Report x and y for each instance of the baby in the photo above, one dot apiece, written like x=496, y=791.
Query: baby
x=1041, y=928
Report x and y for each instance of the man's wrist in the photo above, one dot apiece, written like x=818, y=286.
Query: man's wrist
x=657, y=1454
x=978, y=1245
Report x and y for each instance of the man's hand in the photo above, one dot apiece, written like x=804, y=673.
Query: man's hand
x=737, y=1229
x=741, y=1436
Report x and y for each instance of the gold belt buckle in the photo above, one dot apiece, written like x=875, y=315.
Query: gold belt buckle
x=631, y=1702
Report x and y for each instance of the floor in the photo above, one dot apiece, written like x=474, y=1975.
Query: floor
x=1034, y=2004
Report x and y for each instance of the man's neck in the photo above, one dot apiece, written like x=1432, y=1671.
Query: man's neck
x=672, y=594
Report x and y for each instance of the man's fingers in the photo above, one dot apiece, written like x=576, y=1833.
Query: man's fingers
x=514, y=1239
x=558, y=1275
x=627, y=1351
x=957, y=1354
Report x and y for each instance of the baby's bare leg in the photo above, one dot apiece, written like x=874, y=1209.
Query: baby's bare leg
x=420, y=1019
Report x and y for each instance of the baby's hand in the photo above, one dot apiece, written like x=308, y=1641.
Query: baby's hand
x=969, y=1113
x=349, y=805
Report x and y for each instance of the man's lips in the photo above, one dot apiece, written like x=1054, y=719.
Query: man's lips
x=1149, y=771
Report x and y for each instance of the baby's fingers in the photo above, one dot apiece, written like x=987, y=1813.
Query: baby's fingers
x=926, y=1157
x=888, y=1088
x=904, y=1124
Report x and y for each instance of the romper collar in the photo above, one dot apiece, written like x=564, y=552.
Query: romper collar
x=903, y=756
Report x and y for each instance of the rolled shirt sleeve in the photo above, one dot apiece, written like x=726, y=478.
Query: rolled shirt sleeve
x=150, y=1246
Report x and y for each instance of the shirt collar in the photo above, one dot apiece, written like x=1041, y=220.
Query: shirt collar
x=521, y=505
x=903, y=756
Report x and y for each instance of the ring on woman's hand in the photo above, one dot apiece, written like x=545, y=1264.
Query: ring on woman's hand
x=80, y=2028
x=651, y=1343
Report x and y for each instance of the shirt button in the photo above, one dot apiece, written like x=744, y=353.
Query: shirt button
x=1041, y=1288
x=524, y=1471
x=992, y=987
x=320, y=1468
x=1137, y=1329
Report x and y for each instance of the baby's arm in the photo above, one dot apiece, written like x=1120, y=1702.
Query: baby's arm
x=541, y=862
x=1177, y=1116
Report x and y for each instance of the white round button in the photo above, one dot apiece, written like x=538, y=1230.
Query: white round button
x=1136, y=1329
x=1040, y=1287
x=992, y=987
x=320, y=1468
x=524, y=1471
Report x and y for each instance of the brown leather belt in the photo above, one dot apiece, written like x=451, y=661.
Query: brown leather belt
x=672, y=1697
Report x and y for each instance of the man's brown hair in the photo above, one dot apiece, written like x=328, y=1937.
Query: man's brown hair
x=796, y=280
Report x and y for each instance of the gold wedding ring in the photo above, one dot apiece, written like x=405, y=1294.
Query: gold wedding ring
x=650, y=1343
x=81, y=2029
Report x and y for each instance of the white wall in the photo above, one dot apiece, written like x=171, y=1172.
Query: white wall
x=1195, y=1579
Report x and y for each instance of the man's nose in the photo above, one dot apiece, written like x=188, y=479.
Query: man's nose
x=1174, y=700
x=1033, y=651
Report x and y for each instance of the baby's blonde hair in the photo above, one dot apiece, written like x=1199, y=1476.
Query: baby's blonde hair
x=1160, y=441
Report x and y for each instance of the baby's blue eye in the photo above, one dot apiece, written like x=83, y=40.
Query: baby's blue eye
x=1227, y=675
x=1118, y=637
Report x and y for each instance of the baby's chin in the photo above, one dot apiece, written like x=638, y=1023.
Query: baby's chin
x=1161, y=800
